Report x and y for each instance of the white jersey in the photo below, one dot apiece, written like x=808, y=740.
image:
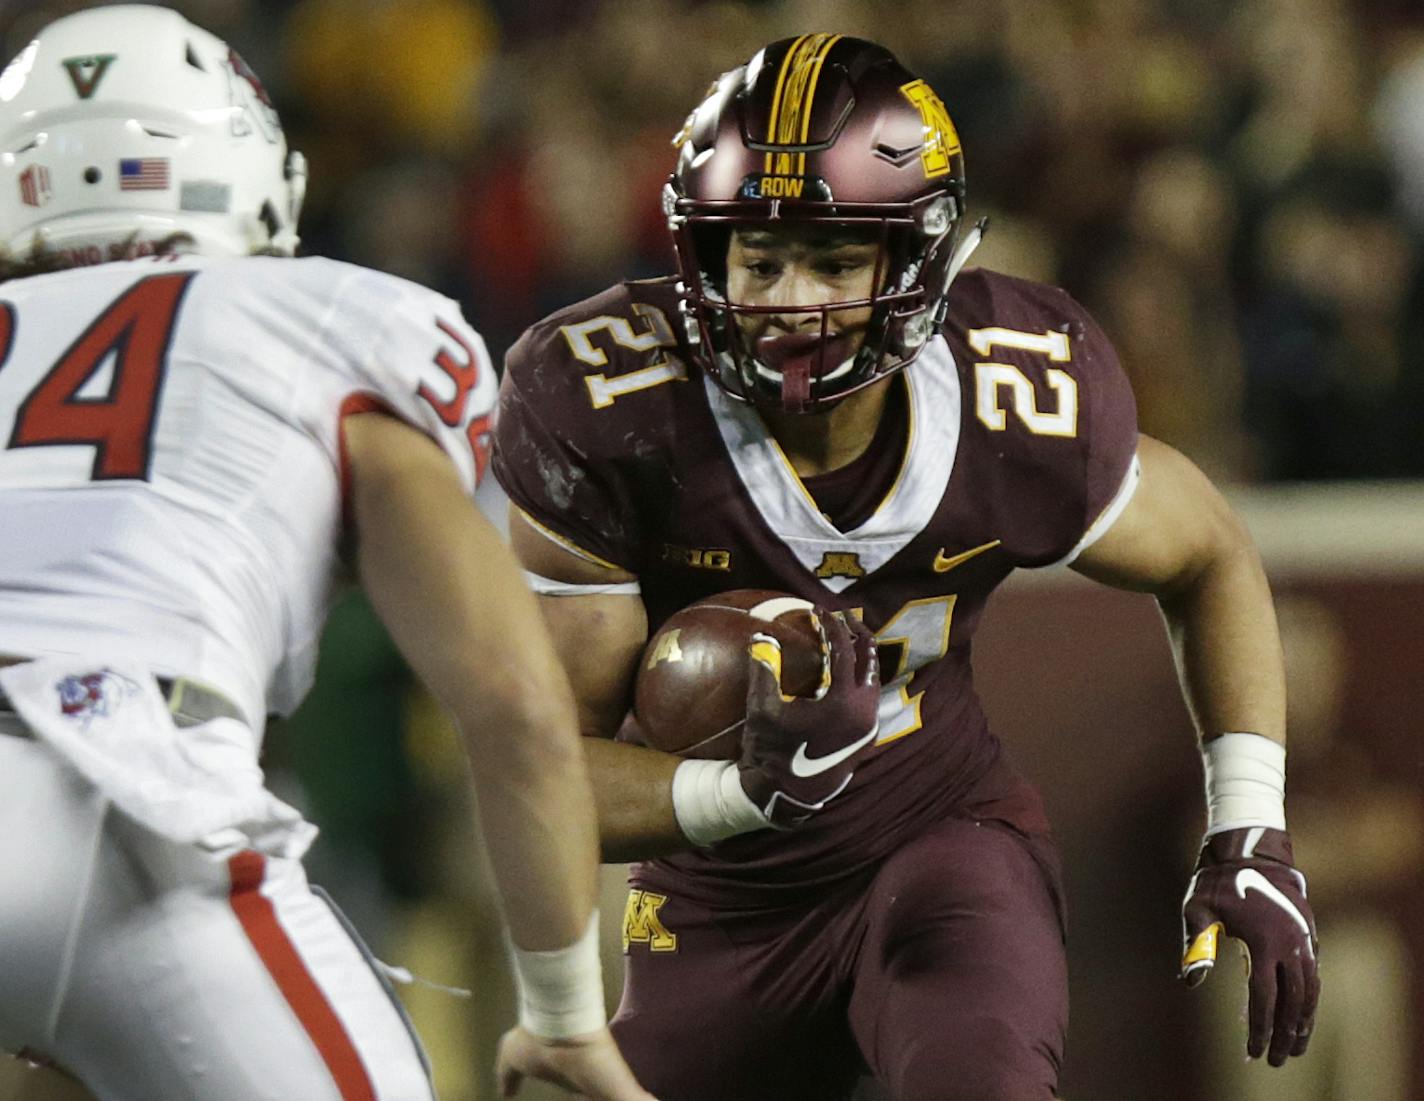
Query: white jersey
x=171, y=468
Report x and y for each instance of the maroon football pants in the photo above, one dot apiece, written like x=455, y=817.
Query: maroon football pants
x=943, y=974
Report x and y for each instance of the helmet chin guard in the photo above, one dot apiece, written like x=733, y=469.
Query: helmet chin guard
x=122, y=127
x=830, y=132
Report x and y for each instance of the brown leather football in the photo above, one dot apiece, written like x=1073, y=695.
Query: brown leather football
x=690, y=697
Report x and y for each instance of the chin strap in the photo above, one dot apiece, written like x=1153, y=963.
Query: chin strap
x=796, y=384
x=963, y=252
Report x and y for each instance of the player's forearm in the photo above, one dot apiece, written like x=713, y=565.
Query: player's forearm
x=537, y=818
x=536, y=809
x=633, y=791
x=1224, y=630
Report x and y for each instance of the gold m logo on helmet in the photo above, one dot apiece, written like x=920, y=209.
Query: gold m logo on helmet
x=941, y=138
x=641, y=924
x=840, y=564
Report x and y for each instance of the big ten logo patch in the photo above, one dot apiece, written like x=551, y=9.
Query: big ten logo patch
x=699, y=558
x=642, y=925
x=665, y=647
x=840, y=564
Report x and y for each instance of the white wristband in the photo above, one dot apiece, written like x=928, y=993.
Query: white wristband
x=561, y=991
x=1245, y=783
x=709, y=802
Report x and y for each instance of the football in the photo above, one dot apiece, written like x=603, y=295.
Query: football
x=690, y=695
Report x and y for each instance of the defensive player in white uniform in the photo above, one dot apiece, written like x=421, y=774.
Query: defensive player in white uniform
x=186, y=441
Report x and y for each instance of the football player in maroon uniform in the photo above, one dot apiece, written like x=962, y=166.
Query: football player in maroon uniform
x=823, y=403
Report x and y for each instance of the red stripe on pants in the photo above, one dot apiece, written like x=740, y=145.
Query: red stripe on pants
x=284, y=963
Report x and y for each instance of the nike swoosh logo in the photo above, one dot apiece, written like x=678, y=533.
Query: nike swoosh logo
x=1249, y=879
x=944, y=565
x=803, y=766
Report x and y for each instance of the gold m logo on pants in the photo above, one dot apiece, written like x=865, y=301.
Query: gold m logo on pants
x=641, y=924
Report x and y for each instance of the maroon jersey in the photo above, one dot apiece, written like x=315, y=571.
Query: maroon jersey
x=1019, y=450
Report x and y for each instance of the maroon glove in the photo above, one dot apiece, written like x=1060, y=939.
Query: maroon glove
x=1246, y=886
x=799, y=753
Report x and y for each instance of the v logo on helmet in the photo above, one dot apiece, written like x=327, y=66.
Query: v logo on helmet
x=86, y=72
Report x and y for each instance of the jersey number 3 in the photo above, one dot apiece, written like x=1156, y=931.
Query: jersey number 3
x=135, y=333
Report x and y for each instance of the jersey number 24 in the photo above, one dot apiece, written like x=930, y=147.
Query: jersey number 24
x=135, y=330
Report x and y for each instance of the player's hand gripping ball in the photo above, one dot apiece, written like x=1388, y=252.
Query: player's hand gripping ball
x=797, y=753
x=690, y=697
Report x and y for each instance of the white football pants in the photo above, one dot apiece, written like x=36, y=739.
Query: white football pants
x=154, y=973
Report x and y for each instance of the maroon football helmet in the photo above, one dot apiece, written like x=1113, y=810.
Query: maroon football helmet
x=830, y=130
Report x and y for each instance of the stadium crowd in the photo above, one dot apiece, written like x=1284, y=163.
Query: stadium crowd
x=1236, y=189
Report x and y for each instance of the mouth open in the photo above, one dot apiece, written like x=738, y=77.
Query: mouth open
x=800, y=358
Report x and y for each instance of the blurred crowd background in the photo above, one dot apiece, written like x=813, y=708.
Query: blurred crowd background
x=1235, y=188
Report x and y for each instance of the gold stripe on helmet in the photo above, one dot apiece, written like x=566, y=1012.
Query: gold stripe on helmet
x=790, y=122
x=820, y=60
x=776, y=96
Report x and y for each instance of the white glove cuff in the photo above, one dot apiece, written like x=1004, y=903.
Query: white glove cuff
x=561, y=991
x=1245, y=783
x=709, y=802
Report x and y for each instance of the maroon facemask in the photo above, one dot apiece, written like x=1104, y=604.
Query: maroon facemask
x=831, y=131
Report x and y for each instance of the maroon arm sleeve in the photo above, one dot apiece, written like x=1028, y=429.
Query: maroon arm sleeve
x=549, y=454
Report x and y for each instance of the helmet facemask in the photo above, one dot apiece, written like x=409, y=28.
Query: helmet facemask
x=828, y=132
x=812, y=356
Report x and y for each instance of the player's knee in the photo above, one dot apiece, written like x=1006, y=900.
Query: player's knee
x=990, y=1060
x=973, y=1088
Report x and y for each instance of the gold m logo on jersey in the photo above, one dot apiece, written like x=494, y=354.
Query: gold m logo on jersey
x=641, y=924
x=840, y=564
x=665, y=648
x=941, y=138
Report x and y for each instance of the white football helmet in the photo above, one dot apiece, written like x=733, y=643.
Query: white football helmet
x=121, y=126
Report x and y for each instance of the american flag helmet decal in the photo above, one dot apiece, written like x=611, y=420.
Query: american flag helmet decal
x=143, y=174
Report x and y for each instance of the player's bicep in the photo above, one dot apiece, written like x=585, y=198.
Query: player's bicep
x=1171, y=529
x=598, y=635
x=548, y=555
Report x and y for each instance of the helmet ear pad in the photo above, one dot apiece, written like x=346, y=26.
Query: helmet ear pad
x=710, y=242
x=874, y=148
x=142, y=128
